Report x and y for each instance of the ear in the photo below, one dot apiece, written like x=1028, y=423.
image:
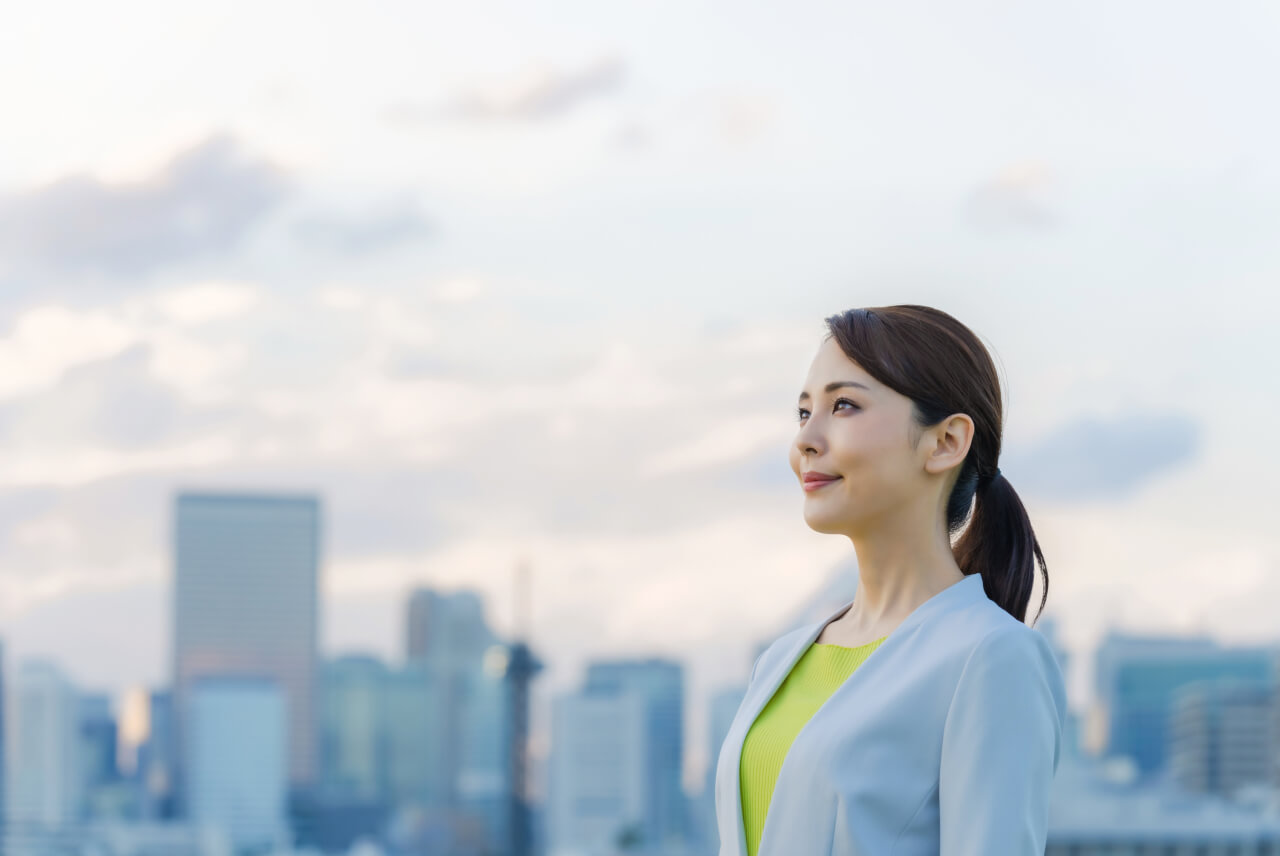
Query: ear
x=951, y=441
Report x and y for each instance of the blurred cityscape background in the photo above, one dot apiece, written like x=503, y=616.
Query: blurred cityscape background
x=259, y=744
x=395, y=400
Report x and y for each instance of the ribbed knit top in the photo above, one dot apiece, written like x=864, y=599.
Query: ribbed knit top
x=811, y=681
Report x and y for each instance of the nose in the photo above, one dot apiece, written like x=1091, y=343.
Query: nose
x=807, y=438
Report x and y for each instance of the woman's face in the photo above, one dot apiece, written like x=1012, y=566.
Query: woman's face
x=862, y=434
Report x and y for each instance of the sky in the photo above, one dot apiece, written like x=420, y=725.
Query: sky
x=506, y=283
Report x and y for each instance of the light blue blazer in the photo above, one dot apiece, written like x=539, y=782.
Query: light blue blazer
x=943, y=742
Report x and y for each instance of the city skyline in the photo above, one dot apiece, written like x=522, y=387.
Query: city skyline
x=539, y=285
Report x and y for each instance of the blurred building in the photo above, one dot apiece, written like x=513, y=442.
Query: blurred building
x=45, y=787
x=246, y=572
x=1104, y=807
x=4, y=811
x=456, y=678
x=420, y=758
x=484, y=784
x=354, y=740
x=149, y=838
x=96, y=754
x=1137, y=678
x=1222, y=737
x=446, y=626
x=423, y=748
x=236, y=728
x=660, y=684
x=156, y=767
x=523, y=831
x=599, y=789
x=353, y=798
x=144, y=750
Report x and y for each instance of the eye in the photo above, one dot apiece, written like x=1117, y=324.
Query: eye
x=800, y=411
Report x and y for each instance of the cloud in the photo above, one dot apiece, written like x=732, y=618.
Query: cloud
x=459, y=289
x=47, y=340
x=114, y=403
x=206, y=301
x=389, y=226
x=534, y=93
x=1097, y=459
x=204, y=201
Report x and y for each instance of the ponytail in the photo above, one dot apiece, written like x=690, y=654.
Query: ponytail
x=1000, y=544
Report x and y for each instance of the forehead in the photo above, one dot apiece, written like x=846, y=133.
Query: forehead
x=831, y=364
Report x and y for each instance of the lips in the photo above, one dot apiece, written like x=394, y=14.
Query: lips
x=813, y=481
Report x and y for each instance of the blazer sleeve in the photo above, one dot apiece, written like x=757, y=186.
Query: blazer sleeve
x=1000, y=747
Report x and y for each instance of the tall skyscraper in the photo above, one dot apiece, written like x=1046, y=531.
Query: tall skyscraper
x=245, y=602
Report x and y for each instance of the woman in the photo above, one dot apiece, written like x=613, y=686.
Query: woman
x=924, y=717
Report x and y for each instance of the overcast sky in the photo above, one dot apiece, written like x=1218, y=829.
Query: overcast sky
x=504, y=281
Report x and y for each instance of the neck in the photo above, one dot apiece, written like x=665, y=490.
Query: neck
x=897, y=573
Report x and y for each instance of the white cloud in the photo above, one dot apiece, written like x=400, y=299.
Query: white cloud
x=196, y=367
x=208, y=301
x=69, y=468
x=47, y=340
x=340, y=297
x=459, y=289
x=49, y=532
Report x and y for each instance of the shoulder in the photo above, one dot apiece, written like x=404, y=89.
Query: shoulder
x=1012, y=660
x=982, y=629
x=1014, y=645
x=980, y=649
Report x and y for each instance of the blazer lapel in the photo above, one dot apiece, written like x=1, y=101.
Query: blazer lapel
x=772, y=675
x=755, y=700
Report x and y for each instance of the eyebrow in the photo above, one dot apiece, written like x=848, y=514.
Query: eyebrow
x=838, y=384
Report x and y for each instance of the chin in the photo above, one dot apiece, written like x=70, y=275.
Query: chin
x=824, y=523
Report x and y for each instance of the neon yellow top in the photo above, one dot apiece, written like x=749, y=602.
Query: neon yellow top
x=814, y=677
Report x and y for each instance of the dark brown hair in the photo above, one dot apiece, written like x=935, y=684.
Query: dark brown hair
x=937, y=362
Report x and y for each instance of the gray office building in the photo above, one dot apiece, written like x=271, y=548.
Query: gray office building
x=245, y=603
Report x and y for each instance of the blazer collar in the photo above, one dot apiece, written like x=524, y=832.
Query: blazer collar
x=961, y=591
x=958, y=594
